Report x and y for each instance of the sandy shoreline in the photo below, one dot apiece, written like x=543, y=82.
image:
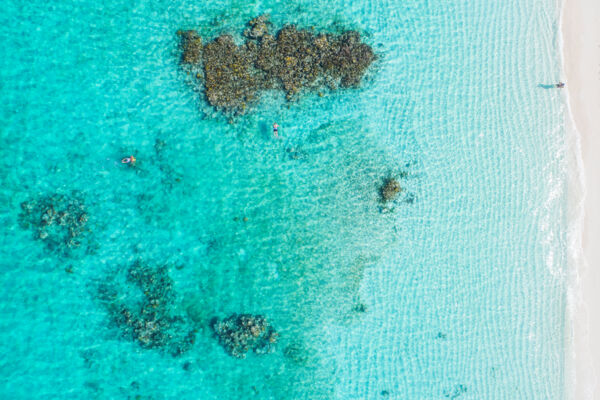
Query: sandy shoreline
x=581, y=51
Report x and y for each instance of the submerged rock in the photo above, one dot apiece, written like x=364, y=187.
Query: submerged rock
x=191, y=46
x=389, y=190
x=149, y=316
x=258, y=27
x=60, y=221
x=229, y=82
x=291, y=60
x=239, y=334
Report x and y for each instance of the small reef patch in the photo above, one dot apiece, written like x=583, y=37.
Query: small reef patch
x=232, y=76
x=239, y=334
x=147, y=315
x=59, y=221
x=389, y=190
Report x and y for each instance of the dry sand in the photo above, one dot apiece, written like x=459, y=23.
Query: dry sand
x=581, y=51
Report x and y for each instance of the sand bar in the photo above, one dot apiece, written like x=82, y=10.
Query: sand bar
x=581, y=41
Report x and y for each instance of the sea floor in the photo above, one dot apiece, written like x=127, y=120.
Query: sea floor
x=455, y=291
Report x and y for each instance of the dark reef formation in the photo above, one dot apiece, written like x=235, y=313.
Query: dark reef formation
x=57, y=220
x=389, y=190
x=239, y=334
x=229, y=80
x=290, y=60
x=191, y=44
x=148, y=316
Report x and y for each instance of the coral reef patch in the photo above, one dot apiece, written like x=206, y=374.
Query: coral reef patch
x=390, y=193
x=147, y=315
x=389, y=190
x=191, y=45
x=239, y=334
x=58, y=220
x=290, y=60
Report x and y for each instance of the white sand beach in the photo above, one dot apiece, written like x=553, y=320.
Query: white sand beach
x=581, y=51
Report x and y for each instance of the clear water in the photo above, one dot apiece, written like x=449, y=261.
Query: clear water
x=463, y=290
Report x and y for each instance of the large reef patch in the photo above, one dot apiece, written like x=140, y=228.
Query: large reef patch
x=232, y=76
x=148, y=315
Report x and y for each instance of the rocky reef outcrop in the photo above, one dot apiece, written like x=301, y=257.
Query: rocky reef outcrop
x=58, y=220
x=291, y=59
x=148, y=315
x=191, y=46
x=241, y=333
x=389, y=190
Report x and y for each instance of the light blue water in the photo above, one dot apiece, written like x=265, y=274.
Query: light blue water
x=463, y=289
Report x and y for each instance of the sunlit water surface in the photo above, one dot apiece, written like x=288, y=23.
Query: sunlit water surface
x=457, y=293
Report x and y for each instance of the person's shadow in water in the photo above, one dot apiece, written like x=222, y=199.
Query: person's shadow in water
x=558, y=85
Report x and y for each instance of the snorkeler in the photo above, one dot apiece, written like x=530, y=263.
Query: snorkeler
x=275, y=129
x=560, y=85
x=128, y=160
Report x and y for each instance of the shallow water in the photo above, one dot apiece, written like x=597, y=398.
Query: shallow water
x=457, y=294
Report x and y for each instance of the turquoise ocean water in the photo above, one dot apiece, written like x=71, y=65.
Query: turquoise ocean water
x=457, y=294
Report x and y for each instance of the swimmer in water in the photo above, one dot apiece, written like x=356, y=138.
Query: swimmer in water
x=275, y=129
x=128, y=160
